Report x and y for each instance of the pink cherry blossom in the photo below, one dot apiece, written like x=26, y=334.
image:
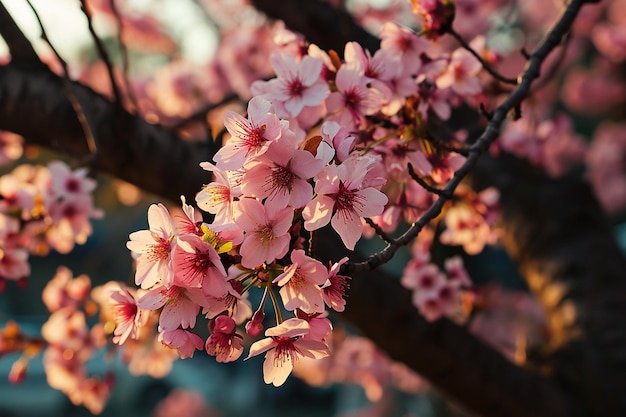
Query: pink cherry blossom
x=266, y=232
x=281, y=178
x=127, y=315
x=299, y=84
x=284, y=346
x=224, y=342
x=300, y=283
x=185, y=341
x=354, y=99
x=249, y=136
x=334, y=289
x=154, y=247
x=217, y=197
x=341, y=195
x=461, y=74
x=64, y=290
x=178, y=309
x=67, y=183
x=196, y=264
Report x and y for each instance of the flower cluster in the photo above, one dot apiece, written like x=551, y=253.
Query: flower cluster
x=70, y=343
x=326, y=142
x=437, y=293
x=42, y=208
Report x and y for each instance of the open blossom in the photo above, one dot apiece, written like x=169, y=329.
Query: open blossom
x=154, y=248
x=178, y=309
x=299, y=84
x=461, y=73
x=250, y=136
x=127, y=315
x=341, y=195
x=224, y=342
x=70, y=222
x=67, y=183
x=282, y=177
x=300, y=283
x=184, y=341
x=334, y=289
x=354, y=99
x=196, y=264
x=284, y=346
x=266, y=232
x=217, y=197
x=64, y=290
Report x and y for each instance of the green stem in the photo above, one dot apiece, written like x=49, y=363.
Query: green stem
x=270, y=290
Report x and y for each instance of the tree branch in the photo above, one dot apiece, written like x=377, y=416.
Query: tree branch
x=20, y=48
x=323, y=25
x=149, y=156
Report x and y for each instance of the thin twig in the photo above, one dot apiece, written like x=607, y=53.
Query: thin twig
x=487, y=66
x=426, y=185
x=384, y=236
x=124, y=53
x=67, y=89
x=103, y=54
x=489, y=135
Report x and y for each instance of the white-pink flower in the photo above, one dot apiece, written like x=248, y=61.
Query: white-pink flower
x=300, y=283
x=266, y=232
x=197, y=264
x=354, y=99
x=342, y=196
x=178, y=309
x=299, y=84
x=461, y=74
x=217, y=197
x=281, y=178
x=185, y=341
x=250, y=136
x=154, y=247
x=284, y=346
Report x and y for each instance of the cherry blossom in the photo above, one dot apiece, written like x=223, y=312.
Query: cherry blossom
x=185, y=341
x=284, y=346
x=300, y=283
x=154, y=248
x=299, y=84
x=178, y=309
x=250, y=137
x=266, y=232
x=196, y=264
x=224, y=342
x=217, y=197
x=341, y=195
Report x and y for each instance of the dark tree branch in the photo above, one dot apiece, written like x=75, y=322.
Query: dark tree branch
x=67, y=90
x=149, y=156
x=20, y=48
x=490, y=134
x=325, y=26
x=559, y=237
